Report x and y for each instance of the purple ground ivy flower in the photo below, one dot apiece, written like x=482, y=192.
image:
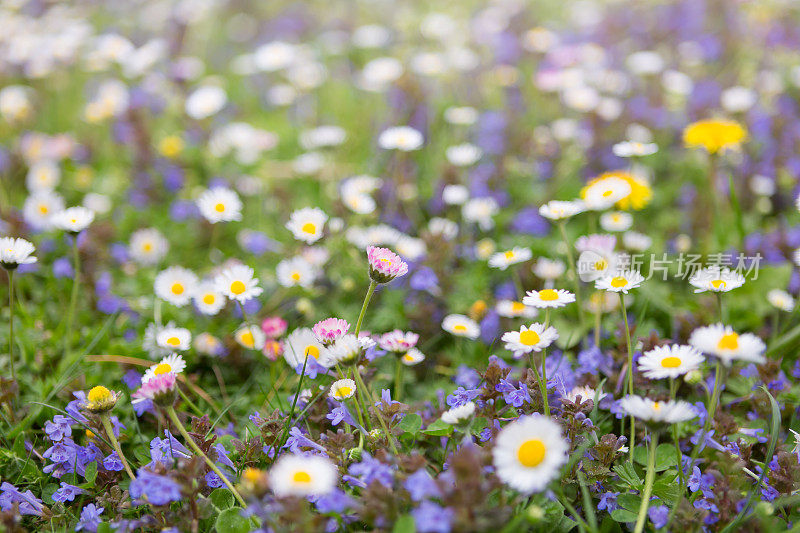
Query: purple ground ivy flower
x=460, y=396
x=370, y=469
x=28, y=503
x=67, y=492
x=513, y=395
x=58, y=428
x=420, y=485
x=608, y=501
x=658, y=515
x=90, y=518
x=432, y=518
x=159, y=490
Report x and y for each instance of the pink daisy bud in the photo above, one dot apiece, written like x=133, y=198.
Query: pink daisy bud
x=273, y=326
x=330, y=329
x=398, y=341
x=385, y=265
x=160, y=388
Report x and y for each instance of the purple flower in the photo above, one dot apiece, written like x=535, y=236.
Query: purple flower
x=28, y=503
x=512, y=395
x=340, y=414
x=467, y=377
x=159, y=490
x=62, y=268
x=335, y=501
x=420, y=485
x=369, y=470
x=58, y=428
x=66, y=493
x=90, y=518
x=460, y=396
x=658, y=515
x=113, y=463
x=432, y=518
x=608, y=501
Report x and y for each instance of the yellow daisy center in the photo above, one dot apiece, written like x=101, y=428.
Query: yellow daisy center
x=248, y=339
x=313, y=351
x=147, y=247
x=517, y=307
x=671, y=362
x=529, y=338
x=238, y=287
x=177, y=288
x=162, y=368
x=718, y=284
x=173, y=341
x=43, y=209
x=252, y=474
x=618, y=281
x=209, y=299
x=656, y=406
x=601, y=265
x=344, y=391
x=309, y=227
x=607, y=193
x=408, y=358
x=301, y=477
x=460, y=328
x=295, y=276
x=729, y=342
x=220, y=207
x=509, y=254
x=548, y=295
x=531, y=453
x=98, y=394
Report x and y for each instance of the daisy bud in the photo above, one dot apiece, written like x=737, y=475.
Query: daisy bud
x=385, y=265
x=100, y=400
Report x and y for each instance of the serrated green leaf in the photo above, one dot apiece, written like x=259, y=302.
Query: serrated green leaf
x=232, y=521
x=222, y=499
x=91, y=472
x=411, y=423
x=628, y=474
x=439, y=428
x=631, y=502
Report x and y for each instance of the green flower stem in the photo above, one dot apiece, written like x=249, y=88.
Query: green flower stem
x=173, y=416
x=398, y=379
x=189, y=402
x=115, y=443
x=648, y=484
x=294, y=404
x=542, y=385
x=672, y=390
x=367, y=298
x=384, y=427
x=11, y=323
x=518, y=283
x=571, y=261
x=73, y=301
x=598, y=315
x=630, y=368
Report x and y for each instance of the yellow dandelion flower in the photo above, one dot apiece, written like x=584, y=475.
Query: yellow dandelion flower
x=714, y=135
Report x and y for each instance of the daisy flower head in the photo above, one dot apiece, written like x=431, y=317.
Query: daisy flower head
x=714, y=135
x=455, y=194
x=208, y=344
x=99, y=399
x=669, y=361
x=463, y=155
x=295, y=272
x=237, y=283
x=529, y=453
x=302, y=343
x=723, y=342
x=549, y=269
x=398, y=341
x=599, y=242
x=412, y=357
x=172, y=338
x=616, y=221
x=176, y=285
x=39, y=208
x=459, y=414
x=303, y=475
x=514, y=309
x=220, y=204
x=620, y=282
x=601, y=194
x=796, y=257
x=148, y=246
x=208, y=299
x=461, y=326
x=634, y=149
x=342, y=389
x=595, y=264
x=585, y=393
x=172, y=363
x=346, y=349
x=480, y=211
x=73, y=219
x=669, y=412
x=205, y=101
x=552, y=298
x=559, y=210
x=274, y=326
x=250, y=337
x=160, y=389
x=307, y=224
x=403, y=138
x=781, y=299
x=716, y=279
x=385, y=265
x=516, y=255
x=331, y=329
x=533, y=338
x=43, y=176
x=15, y=252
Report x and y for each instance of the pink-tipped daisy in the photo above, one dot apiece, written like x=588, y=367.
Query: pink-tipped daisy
x=398, y=341
x=329, y=330
x=160, y=389
x=385, y=265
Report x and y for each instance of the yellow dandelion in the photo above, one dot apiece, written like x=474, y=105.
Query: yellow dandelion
x=714, y=135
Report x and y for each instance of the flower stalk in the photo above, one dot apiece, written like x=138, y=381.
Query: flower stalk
x=106, y=421
x=648, y=484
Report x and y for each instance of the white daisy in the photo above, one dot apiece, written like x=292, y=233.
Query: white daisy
x=302, y=343
x=545, y=298
x=669, y=361
x=43, y=176
x=781, y=299
x=634, y=149
x=638, y=242
x=208, y=344
x=295, y=271
x=73, y=219
x=398, y=341
x=306, y=224
x=403, y=138
x=208, y=299
x=172, y=363
x=533, y=338
x=796, y=257
x=549, y=269
x=175, y=285
x=463, y=155
x=220, y=204
x=459, y=414
x=480, y=211
x=716, y=279
x=412, y=357
x=585, y=393
x=622, y=282
x=303, y=475
x=558, y=210
x=148, y=246
x=342, y=389
x=250, y=337
x=237, y=283
x=513, y=309
x=616, y=221
x=606, y=192
x=205, y=101
x=175, y=339
x=461, y=326
x=723, y=342
x=670, y=412
x=15, y=252
x=444, y=228
x=39, y=208
x=455, y=194
x=516, y=255
x=346, y=348
x=529, y=453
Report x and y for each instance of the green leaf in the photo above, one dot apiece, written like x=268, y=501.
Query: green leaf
x=623, y=515
x=411, y=423
x=91, y=472
x=405, y=524
x=222, y=499
x=439, y=428
x=627, y=473
x=666, y=456
x=667, y=488
x=104, y=527
x=232, y=521
x=631, y=502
